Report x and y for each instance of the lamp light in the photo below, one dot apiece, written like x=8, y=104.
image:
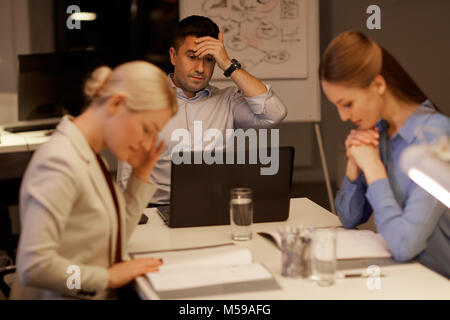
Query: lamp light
x=83, y=16
x=428, y=165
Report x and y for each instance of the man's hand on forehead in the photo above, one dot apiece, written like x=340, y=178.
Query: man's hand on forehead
x=213, y=47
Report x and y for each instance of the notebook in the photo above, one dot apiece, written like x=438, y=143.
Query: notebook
x=210, y=270
x=350, y=244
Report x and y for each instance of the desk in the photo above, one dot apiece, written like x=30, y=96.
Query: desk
x=14, y=146
x=16, y=150
x=402, y=281
x=22, y=142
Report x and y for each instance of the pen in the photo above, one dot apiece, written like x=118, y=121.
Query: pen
x=358, y=275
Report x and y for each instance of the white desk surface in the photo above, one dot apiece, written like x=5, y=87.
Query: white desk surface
x=22, y=142
x=401, y=281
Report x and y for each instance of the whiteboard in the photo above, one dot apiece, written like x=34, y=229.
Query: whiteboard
x=295, y=80
x=268, y=37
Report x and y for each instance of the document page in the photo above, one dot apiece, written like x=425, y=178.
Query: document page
x=354, y=244
x=350, y=244
x=207, y=256
x=202, y=267
x=194, y=277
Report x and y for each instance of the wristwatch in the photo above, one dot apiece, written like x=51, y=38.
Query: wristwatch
x=234, y=65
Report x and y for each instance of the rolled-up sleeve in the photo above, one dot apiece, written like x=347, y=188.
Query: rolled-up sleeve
x=263, y=110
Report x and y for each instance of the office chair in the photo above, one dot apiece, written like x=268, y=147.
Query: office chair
x=6, y=277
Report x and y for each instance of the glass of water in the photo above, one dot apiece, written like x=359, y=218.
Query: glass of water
x=241, y=213
x=323, y=255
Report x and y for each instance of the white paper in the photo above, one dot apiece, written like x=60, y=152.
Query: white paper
x=193, y=268
x=353, y=244
x=215, y=255
x=195, y=277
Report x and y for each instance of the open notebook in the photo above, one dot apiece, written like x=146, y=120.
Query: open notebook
x=350, y=244
x=212, y=270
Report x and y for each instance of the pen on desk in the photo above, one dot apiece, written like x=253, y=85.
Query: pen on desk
x=358, y=275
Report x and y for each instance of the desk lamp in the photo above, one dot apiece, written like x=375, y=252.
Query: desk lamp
x=428, y=165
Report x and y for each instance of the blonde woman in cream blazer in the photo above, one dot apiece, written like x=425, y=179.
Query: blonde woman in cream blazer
x=68, y=211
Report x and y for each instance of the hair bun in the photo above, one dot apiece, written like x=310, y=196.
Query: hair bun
x=96, y=81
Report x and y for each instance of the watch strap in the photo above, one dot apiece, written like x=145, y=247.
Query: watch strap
x=234, y=66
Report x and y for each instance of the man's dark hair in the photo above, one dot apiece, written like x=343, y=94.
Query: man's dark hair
x=198, y=26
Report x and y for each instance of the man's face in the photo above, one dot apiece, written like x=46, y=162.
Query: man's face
x=191, y=73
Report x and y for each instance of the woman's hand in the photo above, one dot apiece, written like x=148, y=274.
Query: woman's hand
x=123, y=272
x=355, y=138
x=367, y=158
x=145, y=159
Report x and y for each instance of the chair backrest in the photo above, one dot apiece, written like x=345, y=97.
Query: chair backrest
x=6, y=276
x=7, y=270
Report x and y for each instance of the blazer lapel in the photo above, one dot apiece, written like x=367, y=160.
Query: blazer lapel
x=103, y=192
x=123, y=217
x=76, y=137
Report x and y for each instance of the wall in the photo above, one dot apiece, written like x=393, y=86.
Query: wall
x=25, y=27
x=15, y=39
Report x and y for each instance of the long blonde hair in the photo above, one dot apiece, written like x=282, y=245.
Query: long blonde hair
x=144, y=85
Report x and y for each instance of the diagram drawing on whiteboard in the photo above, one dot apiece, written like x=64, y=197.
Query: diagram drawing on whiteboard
x=268, y=37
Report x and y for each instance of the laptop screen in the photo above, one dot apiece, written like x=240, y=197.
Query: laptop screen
x=200, y=193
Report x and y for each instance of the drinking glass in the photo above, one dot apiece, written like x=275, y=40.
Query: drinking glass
x=241, y=213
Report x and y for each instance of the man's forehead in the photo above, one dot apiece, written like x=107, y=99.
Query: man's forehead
x=189, y=42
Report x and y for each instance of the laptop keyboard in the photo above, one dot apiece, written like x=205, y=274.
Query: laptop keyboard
x=164, y=212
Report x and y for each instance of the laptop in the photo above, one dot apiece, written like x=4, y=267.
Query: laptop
x=200, y=193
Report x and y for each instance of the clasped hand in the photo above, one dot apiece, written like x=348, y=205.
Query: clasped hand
x=362, y=146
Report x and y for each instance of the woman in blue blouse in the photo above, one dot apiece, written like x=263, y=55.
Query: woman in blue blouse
x=370, y=88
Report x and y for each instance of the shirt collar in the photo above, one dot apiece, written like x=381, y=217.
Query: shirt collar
x=207, y=90
x=409, y=129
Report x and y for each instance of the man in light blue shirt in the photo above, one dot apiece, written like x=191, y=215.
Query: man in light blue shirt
x=413, y=222
x=198, y=47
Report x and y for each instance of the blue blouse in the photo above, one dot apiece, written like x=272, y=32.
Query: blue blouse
x=413, y=222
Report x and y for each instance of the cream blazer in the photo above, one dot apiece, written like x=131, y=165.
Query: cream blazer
x=68, y=220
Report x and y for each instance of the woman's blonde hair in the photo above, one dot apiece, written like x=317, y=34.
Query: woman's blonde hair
x=144, y=85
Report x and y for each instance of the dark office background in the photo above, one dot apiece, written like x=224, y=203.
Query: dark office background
x=126, y=29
